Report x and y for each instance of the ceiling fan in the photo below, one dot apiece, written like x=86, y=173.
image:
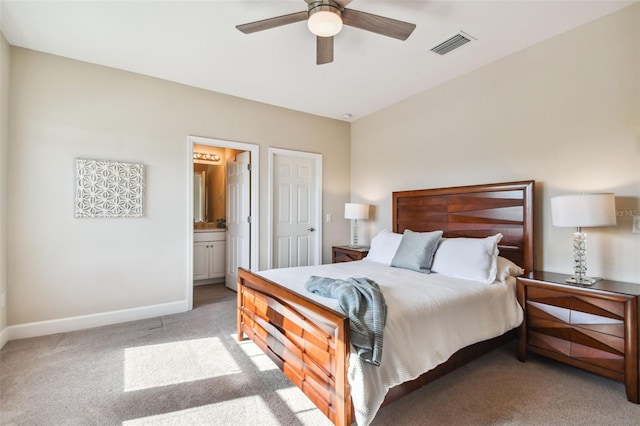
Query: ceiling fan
x=325, y=19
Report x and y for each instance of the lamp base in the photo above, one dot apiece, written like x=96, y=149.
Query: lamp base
x=354, y=241
x=582, y=280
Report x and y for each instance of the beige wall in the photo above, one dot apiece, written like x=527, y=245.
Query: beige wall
x=4, y=143
x=564, y=112
x=64, y=109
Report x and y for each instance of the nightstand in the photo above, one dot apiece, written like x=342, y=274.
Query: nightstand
x=348, y=254
x=594, y=328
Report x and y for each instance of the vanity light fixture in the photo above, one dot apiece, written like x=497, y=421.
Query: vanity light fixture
x=205, y=156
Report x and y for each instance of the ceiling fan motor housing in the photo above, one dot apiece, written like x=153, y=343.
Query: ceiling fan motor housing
x=325, y=5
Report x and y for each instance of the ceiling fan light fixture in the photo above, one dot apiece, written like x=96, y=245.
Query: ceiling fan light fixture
x=325, y=19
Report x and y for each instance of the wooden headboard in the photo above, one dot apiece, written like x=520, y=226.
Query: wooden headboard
x=473, y=211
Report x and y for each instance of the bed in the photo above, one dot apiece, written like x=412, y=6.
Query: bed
x=309, y=341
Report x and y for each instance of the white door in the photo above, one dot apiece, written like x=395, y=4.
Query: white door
x=296, y=211
x=238, y=216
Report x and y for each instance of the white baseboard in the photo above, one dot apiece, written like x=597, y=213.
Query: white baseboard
x=209, y=281
x=4, y=337
x=43, y=328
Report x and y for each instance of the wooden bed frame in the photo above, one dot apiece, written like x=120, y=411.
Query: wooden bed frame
x=310, y=342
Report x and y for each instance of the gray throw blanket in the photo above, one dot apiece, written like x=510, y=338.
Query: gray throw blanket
x=362, y=301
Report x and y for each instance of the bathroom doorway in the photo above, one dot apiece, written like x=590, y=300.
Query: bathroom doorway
x=227, y=216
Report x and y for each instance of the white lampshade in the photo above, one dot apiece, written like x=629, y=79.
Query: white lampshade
x=583, y=210
x=324, y=23
x=356, y=211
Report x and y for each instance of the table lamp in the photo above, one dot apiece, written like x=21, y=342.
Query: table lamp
x=356, y=211
x=582, y=210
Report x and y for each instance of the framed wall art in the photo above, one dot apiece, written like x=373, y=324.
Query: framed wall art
x=109, y=189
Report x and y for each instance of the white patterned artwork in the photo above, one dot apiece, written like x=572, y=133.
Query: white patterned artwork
x=109, y=189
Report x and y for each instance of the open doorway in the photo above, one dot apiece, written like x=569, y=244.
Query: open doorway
x=238, y=233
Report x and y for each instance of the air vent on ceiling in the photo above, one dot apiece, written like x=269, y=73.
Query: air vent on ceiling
x=453, y=43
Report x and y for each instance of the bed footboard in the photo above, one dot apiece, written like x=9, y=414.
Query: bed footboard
x=307, y=341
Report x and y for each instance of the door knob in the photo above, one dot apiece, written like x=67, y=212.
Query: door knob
x=311, y=229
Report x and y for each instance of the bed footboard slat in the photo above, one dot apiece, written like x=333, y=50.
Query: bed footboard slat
x=300, y=342
x=292, y=350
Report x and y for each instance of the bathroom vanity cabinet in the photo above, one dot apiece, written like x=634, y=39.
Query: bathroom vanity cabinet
x=209, y=256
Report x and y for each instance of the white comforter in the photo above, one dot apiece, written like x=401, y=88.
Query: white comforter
x=429, y=318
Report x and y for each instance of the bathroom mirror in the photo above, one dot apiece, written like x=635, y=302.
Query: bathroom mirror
x=208, y=192
x=199, y=198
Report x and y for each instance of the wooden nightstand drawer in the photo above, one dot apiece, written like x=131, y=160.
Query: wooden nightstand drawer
x=549, y=327
x=597, y=323
x=340, y=257
x=599, y=341
x=549, y=343
x=549, y=297
x=582, y=303
x=550, y=312
x=603, y=341
x=539, y=313
x=348, y=254
x=599, y=307
x=605, y=359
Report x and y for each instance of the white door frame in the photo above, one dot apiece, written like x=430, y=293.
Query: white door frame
x=317, y=159
x=255, y=197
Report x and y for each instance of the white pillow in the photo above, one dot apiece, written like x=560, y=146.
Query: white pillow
x=469, y=258
x=507, y=268
x=383, y=247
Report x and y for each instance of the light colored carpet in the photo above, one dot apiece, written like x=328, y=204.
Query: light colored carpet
x=188, y=369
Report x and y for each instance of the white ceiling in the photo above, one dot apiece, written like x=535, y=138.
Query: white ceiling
x=196, y=43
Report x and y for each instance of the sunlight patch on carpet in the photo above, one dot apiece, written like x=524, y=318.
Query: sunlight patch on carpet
x=177, y=362
x=302, y=406
x=240, y=411
x=255, y=354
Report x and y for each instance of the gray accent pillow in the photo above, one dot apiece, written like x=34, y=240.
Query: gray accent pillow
x=416, y=250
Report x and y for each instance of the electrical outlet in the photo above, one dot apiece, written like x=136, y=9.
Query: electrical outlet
x=636, y=225
x=328, y=218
